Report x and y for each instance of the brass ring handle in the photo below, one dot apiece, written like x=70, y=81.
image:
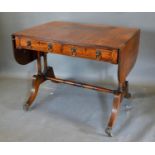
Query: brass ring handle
x=49, y=46
x=29, y=44
x=73, y=50
x=98, y=54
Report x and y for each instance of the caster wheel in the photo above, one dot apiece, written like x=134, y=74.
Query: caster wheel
x=26, y=107
x=108, y=132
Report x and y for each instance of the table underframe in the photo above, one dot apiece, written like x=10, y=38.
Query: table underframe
x=44, y=72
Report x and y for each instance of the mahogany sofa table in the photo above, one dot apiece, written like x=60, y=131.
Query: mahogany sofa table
x=116, y=45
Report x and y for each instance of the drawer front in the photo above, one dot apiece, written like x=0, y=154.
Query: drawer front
x=31, y=44
x=70, y=50
x=91, y=53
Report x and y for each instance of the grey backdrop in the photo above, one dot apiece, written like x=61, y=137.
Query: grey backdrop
x=143, y=73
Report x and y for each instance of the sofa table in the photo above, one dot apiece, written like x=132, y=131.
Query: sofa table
x=116, y=45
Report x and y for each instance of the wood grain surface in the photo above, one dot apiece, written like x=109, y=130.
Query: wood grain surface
x=106, y=36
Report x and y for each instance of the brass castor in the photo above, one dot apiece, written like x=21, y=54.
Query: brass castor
x=108, y=131
x=26, y=107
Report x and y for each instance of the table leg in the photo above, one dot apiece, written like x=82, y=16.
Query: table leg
x=115, y=109
x=123, y=91
x=38, y=79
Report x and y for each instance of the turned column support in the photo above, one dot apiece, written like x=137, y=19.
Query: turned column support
x=39, y=66
x=45, y=61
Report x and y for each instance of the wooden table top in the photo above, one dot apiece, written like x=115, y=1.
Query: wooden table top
x=81, y=34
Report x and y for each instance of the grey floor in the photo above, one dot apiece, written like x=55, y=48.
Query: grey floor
x=67, y=113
